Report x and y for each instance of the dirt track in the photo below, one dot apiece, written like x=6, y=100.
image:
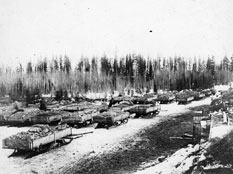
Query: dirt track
x=122, y=149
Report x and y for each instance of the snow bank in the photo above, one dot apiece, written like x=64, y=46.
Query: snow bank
x=221, y=87
x=179, y=162
x=220, y=131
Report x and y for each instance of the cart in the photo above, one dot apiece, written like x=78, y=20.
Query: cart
x=30, y=141
x=80, y=118
x=144, y=110
x=199, y=96
x=207, y=92
x=184, y=100
x=165, y=99
x=111, y=118
x=22, y=117
x=124, y=106
x=47, y=117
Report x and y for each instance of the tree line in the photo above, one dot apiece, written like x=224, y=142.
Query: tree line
x=108, y=74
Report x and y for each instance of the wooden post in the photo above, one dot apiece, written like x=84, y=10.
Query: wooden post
x=196, y=128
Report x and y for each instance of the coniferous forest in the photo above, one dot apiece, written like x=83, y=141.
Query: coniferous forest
x=108, y=74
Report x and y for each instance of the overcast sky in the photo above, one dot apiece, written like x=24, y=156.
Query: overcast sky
x=30, y=29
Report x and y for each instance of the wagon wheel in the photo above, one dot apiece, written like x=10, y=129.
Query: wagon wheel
x=66, y=141
x=120, y=122
x=151, y=114
x=106, y=126
x=125, y=120
x=156, y=112
x=63, y=141
x=87, y=122
x=84, y=123
x=116, y=123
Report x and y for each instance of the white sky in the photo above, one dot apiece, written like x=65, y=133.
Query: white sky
x=30, y=29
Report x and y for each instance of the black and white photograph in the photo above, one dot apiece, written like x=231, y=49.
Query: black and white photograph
x=116, y=86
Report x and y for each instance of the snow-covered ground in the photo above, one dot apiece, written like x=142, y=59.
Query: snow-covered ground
x=221, y=87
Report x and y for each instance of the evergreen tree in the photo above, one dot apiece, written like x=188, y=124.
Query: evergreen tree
x=61, y=64
x=45, y=65
x=29, y=68
x=56, y=66
x=226, y=64
x=67, y=65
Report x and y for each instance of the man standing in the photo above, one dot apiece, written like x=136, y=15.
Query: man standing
x=43, y=105
x=110, y=102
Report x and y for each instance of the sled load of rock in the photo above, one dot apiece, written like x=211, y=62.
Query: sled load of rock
x=23, y=139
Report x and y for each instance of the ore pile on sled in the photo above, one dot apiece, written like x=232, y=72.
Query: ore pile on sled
x=36, y=137
x=112, y=117
x=141, y=106
x=83, y=117
x=145, y=110
x=22, y=117
x=187, y=96
x=166, y=97
x=184, y=97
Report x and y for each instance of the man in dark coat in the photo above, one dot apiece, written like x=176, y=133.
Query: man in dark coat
x=43, y=105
